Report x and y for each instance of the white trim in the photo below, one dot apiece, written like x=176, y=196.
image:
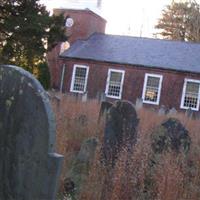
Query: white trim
x=73, y=78
x=62, y=77
x=184, y=91
x=159, y=88
x=121, y=84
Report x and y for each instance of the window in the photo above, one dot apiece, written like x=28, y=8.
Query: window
x=114, y=83
x=190, y=95
x=79, y=78
x=152, y=88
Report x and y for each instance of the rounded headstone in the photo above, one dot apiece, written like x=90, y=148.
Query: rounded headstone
x=28, y=167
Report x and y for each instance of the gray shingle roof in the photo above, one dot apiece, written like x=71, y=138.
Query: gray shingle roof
x=166, y=54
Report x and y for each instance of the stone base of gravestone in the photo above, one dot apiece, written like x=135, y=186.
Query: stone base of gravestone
x=29, y=168
x=171, y=135
x=120, y=129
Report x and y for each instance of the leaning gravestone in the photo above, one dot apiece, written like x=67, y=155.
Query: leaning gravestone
x=120, y=130
x=29, y=168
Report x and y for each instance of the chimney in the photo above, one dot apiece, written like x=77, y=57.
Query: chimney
x=80, y=24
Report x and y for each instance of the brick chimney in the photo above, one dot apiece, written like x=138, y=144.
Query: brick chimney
x=80, y=24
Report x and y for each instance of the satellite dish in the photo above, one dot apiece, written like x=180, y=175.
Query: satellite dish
x=69, y=22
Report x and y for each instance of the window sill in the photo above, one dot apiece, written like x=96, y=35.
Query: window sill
x=187, y=108
x=150, y=102
x=113, y=97
x=80, y=92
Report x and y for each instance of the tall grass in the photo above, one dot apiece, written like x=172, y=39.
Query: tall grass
x=174, y=177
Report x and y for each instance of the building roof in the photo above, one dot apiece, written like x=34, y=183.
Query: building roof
x=156, y=53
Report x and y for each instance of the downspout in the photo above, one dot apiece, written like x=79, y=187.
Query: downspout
x=62, y=77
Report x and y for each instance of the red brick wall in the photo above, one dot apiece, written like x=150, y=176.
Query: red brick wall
x=172, y=84
x=54, y=67
x=85, y=24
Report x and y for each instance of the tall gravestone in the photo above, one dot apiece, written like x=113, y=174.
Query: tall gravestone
x=120, y=129
x=29, y=168
x=120, y=135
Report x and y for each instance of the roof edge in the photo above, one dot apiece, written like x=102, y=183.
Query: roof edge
x=130, y=64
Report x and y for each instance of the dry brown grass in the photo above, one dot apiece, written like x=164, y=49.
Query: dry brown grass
x=176, y=176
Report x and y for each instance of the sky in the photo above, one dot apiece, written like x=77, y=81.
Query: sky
x=124, y=17
x=133, y=17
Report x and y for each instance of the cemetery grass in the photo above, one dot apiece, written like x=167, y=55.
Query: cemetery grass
x=177, y=175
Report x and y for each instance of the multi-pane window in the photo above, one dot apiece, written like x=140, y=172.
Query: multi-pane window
x=190, y=96
x=114, y=83
x=152, y=88
x=79, y=78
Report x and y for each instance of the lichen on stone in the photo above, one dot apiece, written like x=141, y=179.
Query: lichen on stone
x=8, y=103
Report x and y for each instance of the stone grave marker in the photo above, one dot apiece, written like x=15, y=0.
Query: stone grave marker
x=105, y=106
x=120, y=129
x=29, y=167
x=138, y=103
x=172, y=111
x=162, y=110
x=101, y=96
x=84, y=97
x=189, y=113
x=79, y=171
x=171, y=135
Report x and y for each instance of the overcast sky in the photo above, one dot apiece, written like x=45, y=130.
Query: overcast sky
x=124, y=17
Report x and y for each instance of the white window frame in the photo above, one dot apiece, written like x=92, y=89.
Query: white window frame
x=121, y=84
x=184, y=91
x=159, y=88
x=73, y=78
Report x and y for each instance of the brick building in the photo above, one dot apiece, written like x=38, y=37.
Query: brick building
x=160, y=72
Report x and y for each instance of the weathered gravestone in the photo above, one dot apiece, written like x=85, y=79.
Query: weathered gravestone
x=29, y=168
x=162, y=110
x=189, y=113
x=120, y=130
x=105, y=106
x=171, y=135
x=138, y=103
x=79, y=171
x=172, y=111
